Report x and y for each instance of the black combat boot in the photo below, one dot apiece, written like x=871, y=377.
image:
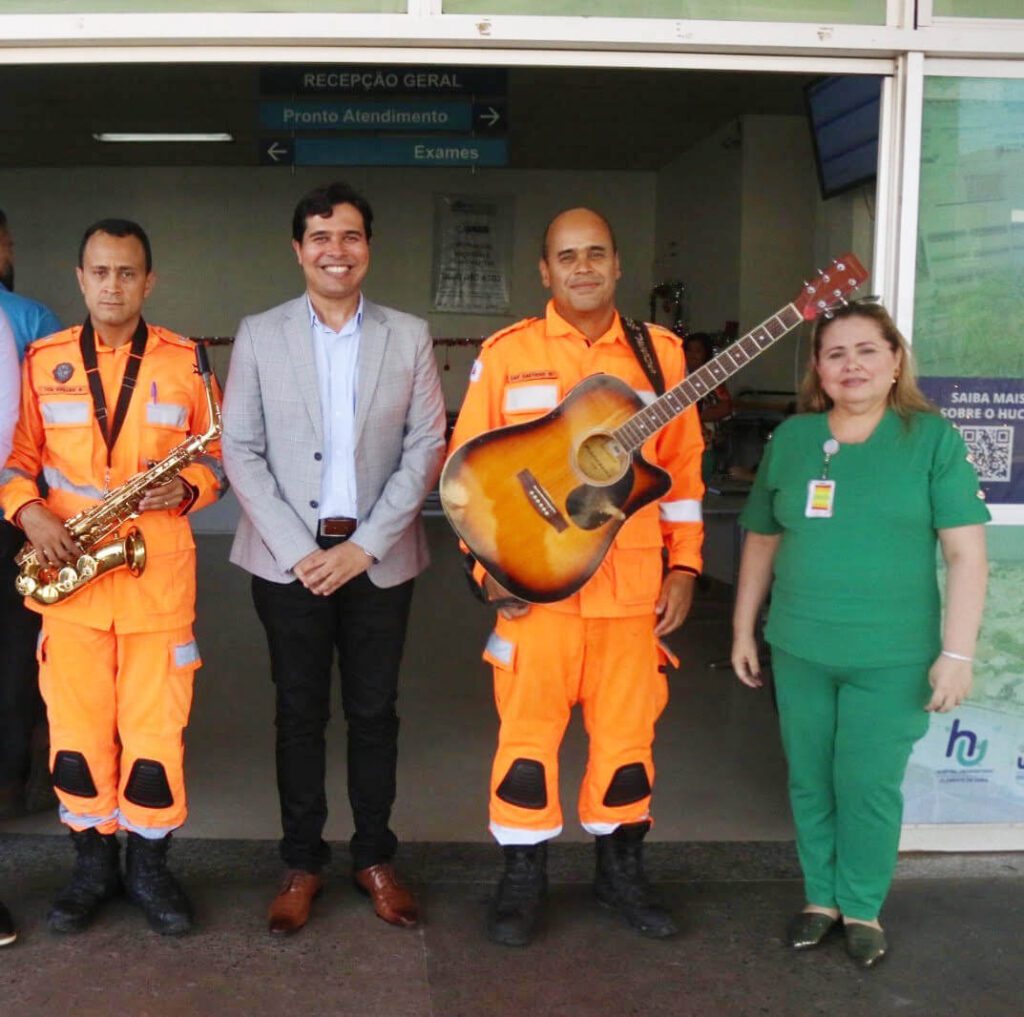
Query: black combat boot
x=150, y=885
x=95, y=879
x=521, y=892
x=621, y=884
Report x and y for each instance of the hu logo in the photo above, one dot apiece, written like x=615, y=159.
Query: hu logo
x=969, y=751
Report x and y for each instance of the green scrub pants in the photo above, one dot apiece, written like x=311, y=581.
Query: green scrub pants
x=848, y=734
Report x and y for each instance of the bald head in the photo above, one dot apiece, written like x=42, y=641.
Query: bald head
x=580, y=214
x=580, y=266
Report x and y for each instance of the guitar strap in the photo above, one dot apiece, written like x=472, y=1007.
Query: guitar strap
x=639, y=340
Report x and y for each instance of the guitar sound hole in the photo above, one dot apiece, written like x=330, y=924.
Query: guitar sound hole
x=601, y=460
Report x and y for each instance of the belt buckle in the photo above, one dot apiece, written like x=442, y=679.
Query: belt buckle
x=337, y=528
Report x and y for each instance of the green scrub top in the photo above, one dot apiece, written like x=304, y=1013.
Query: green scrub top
x=860, y=588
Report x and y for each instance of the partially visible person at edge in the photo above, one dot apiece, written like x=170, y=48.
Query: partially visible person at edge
x=99, y=403
x=848, y=504
x=713, y=408
x=601, y=646
x=10, y=382
x=333, y=437
x=25, y=784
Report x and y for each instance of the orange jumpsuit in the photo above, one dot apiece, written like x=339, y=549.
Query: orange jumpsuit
x=597, y=647
x=118, y=658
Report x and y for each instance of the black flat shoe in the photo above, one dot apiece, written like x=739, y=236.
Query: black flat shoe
x=808, y=928
x=865, y=944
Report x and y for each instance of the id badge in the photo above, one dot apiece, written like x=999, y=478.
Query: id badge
x=821, y=496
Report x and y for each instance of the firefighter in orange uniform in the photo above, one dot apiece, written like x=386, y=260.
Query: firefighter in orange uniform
x=100, y=402
x=600, y=647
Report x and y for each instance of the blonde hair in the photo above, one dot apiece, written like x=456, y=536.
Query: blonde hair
x=905, y=398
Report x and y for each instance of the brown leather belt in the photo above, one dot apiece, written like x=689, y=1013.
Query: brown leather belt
x=339, y=526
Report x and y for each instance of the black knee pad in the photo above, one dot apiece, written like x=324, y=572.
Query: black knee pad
x=147, y=785
x=71, y=774
x=524, y=785
x=629, y=784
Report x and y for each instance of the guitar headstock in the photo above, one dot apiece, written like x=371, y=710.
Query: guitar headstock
x=831, y=286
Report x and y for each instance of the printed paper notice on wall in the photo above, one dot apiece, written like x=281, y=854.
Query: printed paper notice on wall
x=472, y=253
x=990, y=415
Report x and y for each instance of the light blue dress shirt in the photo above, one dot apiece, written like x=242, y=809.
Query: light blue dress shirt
x=337, y=357
x=29, y=319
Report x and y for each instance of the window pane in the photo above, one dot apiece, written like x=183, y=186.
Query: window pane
x=202, y=6
x=849, y=12
x=969, y=310
x=977, y=9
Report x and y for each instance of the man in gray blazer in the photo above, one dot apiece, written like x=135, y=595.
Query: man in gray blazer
x=334, y=427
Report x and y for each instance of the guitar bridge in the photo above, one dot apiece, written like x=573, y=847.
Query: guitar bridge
x=542, y=501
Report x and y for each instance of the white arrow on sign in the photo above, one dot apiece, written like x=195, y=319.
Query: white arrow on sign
x=492, y=116
x=276, y=151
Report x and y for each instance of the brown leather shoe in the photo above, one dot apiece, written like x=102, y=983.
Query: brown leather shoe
x=392, y=901
x=289, y=910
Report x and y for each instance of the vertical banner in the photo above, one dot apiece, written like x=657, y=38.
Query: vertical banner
x=969, y=345
x=472, y=253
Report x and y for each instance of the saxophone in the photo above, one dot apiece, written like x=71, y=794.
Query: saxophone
x=89, y=528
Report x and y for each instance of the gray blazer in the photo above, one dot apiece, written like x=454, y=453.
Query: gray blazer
x=273, y=437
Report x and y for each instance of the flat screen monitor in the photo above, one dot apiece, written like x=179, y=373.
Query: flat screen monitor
x=843, y=112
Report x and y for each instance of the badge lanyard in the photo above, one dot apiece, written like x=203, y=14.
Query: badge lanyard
x=87, y=345
x=821, y=492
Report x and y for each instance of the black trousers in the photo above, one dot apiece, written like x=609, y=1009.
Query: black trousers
x=366, y=626
x=21, y=706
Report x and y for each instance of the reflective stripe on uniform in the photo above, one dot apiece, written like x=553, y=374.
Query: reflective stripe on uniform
x=214, y=465
x=687, y=510
x=531, y=397
x=186, y=653
x=500, y=648
x=65, y=412
x=9, y=473
x=646, y=396
x=516, y=835
x=166, y=414
x=58, y=482
x=147, y=832
x=69, y=818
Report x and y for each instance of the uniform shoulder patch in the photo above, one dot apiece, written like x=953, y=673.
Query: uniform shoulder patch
x=508, y=330
x=69, y=335
x=171, y=337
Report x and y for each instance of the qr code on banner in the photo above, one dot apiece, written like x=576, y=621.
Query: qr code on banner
x=991, y=450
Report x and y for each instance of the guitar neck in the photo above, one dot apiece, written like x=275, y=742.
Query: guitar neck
x=652, y=418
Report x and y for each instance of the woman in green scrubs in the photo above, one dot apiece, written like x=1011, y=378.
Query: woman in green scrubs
x=849, y=502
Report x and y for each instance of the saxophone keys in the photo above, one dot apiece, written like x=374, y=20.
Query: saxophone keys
x=86, y=566
x=67, y=579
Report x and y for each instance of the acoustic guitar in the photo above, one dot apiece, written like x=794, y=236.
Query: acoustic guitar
x=539, y=504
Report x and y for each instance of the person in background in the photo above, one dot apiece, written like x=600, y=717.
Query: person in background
x=9, y=388
x=600, y=647
x=847, y=507
x=713, y=408
x=25, y=784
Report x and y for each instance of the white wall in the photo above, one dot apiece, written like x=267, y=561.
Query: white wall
x=221, y=238
x=698, y=230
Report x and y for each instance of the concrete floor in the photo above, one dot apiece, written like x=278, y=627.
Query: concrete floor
x=954, y=944
x=721, y=849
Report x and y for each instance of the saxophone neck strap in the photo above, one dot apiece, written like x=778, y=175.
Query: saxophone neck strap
x=639, y=340
x=87, y=343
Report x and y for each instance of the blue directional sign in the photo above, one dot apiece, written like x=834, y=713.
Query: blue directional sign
x=355, y=115
x=426, y=150
x=276, y=151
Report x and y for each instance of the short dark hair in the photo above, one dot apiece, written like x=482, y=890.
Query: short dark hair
x=3, y=220
x=117, y=228
x=551, y=222
x=698, y=337
x=321, y=201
